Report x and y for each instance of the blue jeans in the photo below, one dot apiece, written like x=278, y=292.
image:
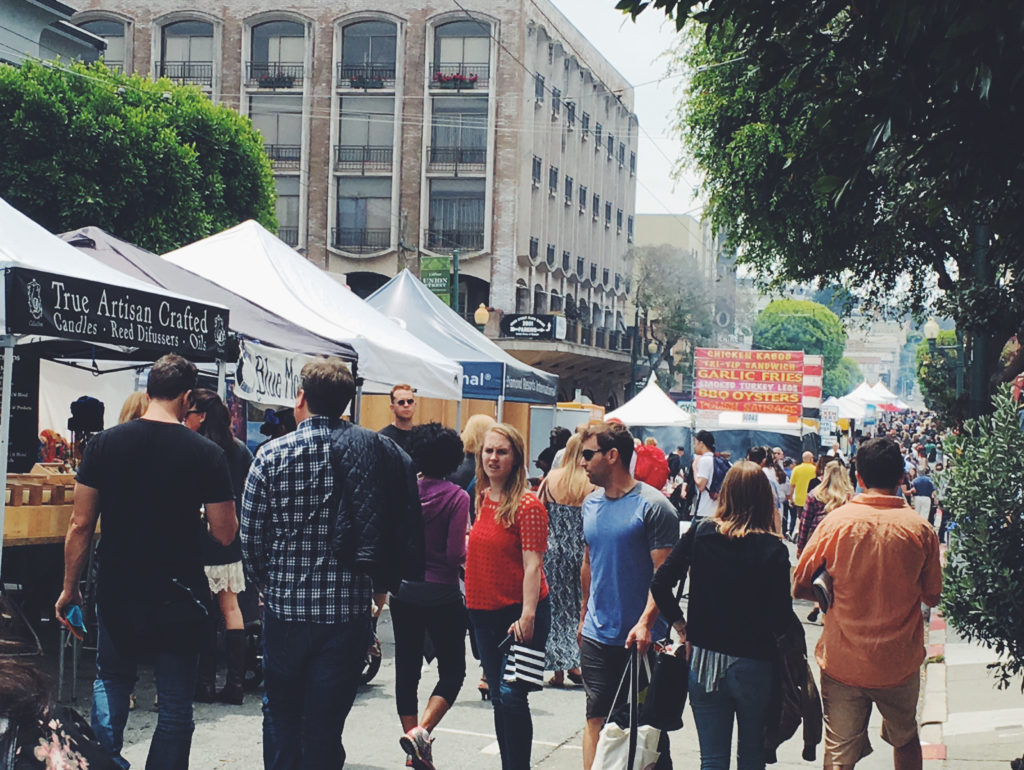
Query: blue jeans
x=175, y=686
x=512, y=723
x=311, y=674
x=742, y=693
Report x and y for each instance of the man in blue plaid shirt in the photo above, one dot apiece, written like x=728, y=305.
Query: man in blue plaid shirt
x=316, y=622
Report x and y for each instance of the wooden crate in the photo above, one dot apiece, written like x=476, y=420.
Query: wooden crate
x=38, y=506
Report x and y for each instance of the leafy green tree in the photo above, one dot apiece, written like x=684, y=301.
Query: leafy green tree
x=795, y=324
x=936, y=373
x=825, y=133
x=842, y=379
x=156, y=164
x=981, y=595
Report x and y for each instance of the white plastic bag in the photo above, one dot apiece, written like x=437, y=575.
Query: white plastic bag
x=613, y=748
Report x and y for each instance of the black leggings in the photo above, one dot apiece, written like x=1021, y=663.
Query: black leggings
x=446, y=625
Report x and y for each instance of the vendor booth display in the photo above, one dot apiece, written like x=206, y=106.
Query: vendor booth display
x=272, y=275
x=488, y=372
x=652, y=413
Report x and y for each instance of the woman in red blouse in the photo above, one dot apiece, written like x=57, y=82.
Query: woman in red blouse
x=506, y=592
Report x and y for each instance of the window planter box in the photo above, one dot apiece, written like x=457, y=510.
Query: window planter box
x=276, y=81
x=455, y=82
x=366, y=83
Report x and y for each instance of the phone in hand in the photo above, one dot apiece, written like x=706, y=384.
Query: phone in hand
x=505, y=645
x=75, y=621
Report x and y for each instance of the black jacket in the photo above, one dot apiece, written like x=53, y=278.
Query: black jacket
x=794, y=697
x=378, y=528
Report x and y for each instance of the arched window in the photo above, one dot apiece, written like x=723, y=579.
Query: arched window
x=368, y=51
x=186, y=52
x=555, y=301
x=462, y=48
x=540, y=304
x=522, y=297
x=277, y=54
x=113, y=32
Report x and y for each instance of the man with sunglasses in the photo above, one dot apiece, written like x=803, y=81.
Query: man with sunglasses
x=403, y=407
x=628, y=529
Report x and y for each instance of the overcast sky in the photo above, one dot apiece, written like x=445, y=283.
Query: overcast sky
x=635, y=50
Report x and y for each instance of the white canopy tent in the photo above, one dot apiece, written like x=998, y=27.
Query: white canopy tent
x=884, y=392
x=865, y=394
x=257, y=265
x=653, y=408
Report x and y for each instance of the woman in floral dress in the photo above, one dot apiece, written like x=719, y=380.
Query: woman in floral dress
x=562, y=493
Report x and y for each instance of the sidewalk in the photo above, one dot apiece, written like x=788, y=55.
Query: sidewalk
x=967, y=721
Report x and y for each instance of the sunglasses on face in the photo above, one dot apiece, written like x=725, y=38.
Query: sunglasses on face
x=588, y=454
x=406, y=401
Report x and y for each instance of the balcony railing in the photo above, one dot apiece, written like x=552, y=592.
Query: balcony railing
x=457, y=76
x=196, y=73
x=452, y=160
x=289, y=235
x=443, y=241
x=284, y=155
x=360, y=240
x=366, y=76
x=263, y=74
x=363, y=158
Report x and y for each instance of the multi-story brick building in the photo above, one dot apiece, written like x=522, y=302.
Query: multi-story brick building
x=406, y=129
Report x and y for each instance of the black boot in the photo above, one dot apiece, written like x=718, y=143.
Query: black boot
x=234, y=642
x=206, y=684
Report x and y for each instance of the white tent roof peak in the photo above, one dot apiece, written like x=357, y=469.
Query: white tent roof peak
x=651, y=407
x=880, y=388
x=252, y=262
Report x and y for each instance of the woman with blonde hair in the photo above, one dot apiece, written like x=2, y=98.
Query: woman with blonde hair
x=834, y=490
x=472, y=439
x=739, y=599
x=134, y=407
x=562, y=493
x=506, y=591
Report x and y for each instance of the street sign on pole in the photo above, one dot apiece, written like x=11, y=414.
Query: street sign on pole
x=436, y=274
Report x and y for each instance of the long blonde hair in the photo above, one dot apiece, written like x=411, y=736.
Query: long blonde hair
x=134, y=407
x=474, y=431
x=835, y=488
x=515, y=484
x=572, y=479
x=745, y=504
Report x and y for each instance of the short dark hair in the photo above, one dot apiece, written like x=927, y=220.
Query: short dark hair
x=328, y=386
x=612, y=435
x=880, y=463
x=171, y=376
x=436, y=450
x=559, y=437
x=401, y=386
x=707, y=438
x=757, y=454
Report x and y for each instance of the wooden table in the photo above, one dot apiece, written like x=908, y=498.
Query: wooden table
x=36, y=524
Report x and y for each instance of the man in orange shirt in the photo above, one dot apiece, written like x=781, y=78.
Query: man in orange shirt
x=884, y=561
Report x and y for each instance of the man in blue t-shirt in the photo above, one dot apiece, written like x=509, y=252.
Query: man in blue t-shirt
x=924, y=497
x=629, y=528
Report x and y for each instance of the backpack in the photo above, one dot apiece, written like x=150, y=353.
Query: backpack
x=651, y=466
x=722, y=467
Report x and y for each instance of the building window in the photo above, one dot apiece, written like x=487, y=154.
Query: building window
x=611, y=146
x=456, y=214
x=279, y=118
x=618, y=220
x=629, y=230
x=366, y=133
x=186, y=52
x=462, y=54
x=632, y=163
x=556, y=102
x=553, y=179
x=570, y=115
x=597, y=207
x=458, y=133
x=568, y=191
x=538, y=88
x=556, y=301
x=583, y=198
x=585, y=126
x=368, y=55
x=566, y=261
x=534, y=247
x=597, y=136
x=622, y=155
x=278, y=51
x=287, y=207
x=580, y=264
x=551, y=255
x=608, y=214
x=364, y=214
x=538, y=164
x=113, y=33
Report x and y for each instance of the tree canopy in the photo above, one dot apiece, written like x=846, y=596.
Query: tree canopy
x=936, y=374
x=155, y=164
x=794, y=324
x=873, y=144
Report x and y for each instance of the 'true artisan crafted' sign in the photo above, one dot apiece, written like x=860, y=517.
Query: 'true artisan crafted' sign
x=74, y=308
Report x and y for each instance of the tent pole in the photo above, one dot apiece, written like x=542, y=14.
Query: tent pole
x=501, y=397
x=222, y=380
x=5, y=428
x=357, y=404
x=458, y=415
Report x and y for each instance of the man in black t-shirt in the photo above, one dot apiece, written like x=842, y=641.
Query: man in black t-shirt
x=149, y=479
x=403, y=406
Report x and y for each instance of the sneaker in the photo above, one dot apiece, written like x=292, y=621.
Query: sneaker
x=416, y=743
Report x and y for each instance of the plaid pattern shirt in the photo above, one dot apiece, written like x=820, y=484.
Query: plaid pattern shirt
x=285, y=531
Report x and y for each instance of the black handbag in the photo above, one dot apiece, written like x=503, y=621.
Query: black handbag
x=666, y=694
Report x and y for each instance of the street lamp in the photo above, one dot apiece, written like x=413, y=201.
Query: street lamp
x=931, y=333
x=481, y=316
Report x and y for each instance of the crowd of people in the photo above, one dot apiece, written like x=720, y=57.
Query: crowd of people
x=336, y=521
